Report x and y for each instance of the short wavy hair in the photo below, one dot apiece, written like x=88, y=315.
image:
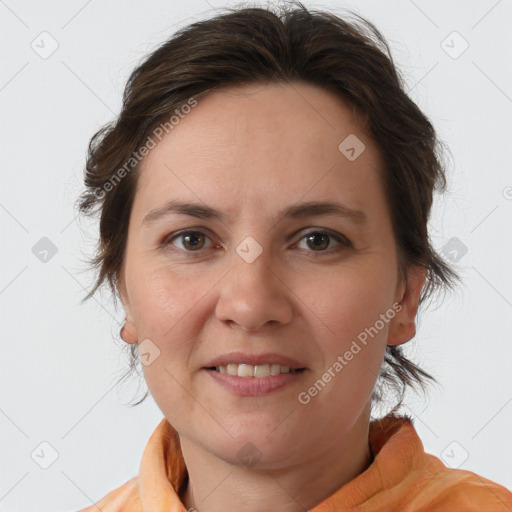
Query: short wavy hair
x=246, y=45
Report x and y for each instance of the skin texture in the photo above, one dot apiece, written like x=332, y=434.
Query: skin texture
x=250, y=151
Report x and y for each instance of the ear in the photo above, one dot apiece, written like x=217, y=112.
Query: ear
x=402, y=327
x=129, y=330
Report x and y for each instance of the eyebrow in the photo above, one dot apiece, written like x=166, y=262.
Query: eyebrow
x=299, y=211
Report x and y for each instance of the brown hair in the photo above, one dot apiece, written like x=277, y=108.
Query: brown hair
x=247, y=45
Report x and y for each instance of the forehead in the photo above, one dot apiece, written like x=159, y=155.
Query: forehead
x=257, y=143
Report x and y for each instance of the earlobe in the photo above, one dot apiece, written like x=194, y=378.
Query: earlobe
x=403, y=326
x=128, y=332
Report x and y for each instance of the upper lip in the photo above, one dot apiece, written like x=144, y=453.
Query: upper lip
x=254, y=359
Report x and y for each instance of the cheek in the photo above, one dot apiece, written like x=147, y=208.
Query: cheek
x=161, y=308
x=159, y=298
x=353, y=356
x=355, y=315
x=351, y=300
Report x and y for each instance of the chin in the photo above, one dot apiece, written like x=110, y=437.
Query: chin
x=256, y=456
x=256, y=446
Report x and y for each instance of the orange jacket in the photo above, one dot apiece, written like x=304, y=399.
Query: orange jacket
x=402, y=477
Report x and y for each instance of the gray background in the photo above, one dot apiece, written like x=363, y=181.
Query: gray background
x=59, y=362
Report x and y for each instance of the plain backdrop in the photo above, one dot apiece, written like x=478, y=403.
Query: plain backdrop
x=63, y=69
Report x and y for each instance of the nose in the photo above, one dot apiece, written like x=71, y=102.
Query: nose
x=253, y=295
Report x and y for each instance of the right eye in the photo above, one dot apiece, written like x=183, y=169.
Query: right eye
x=191, y=240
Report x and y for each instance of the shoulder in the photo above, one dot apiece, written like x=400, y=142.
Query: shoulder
x=457, y=490
x=124, y=498
x=423, y=481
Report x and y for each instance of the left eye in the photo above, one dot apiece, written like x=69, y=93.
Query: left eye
x=320, y=240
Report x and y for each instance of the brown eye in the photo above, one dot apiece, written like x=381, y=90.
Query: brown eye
x=319, y=241
x=191, y=240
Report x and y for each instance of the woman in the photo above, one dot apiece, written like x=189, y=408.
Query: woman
x=264, y=198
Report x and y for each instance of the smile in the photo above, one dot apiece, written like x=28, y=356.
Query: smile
x=249, y=370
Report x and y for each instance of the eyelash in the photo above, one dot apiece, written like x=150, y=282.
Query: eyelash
x=341, y=239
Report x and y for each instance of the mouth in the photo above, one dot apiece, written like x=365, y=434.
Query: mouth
x=246, y=374
x=254, y=371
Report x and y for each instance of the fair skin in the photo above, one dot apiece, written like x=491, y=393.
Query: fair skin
x=250, y=152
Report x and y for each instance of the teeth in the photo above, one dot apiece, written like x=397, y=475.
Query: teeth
x=244, y=370
x=248, y=370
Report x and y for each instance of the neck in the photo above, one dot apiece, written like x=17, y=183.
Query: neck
x=216, y=485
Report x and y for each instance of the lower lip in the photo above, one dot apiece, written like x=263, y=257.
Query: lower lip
x=254, y=386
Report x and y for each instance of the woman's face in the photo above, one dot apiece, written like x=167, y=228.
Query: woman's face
x=251, y=281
